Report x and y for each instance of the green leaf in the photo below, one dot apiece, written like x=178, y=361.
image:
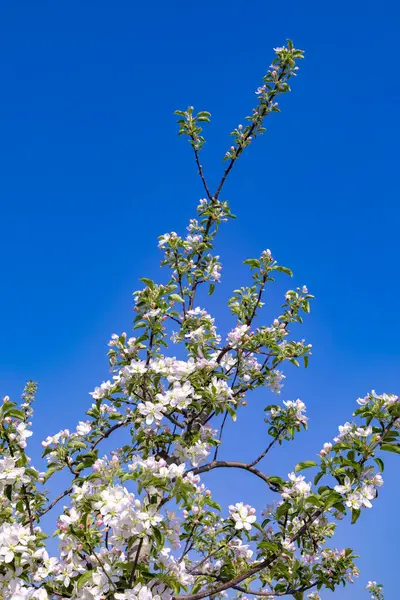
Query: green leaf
x=391, y=448
x=16, y=414
x=213, y=504
x=84, y=579
x=276, y=481
x=332, y=499
x=305, y=465
x=78, y=445
x=318, y=477
x=158, y=535
x=148, y=282
x=285, y=270
x=176, y=298
x=50, y=472
x=282, y=510
x=314, y=500
x=252, y=262
x=355, y=513
x=8, y=491
x=380, y=464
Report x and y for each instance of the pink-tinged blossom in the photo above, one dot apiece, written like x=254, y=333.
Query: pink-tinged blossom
x=237, y=335
x=102, y=390
x=243, y=516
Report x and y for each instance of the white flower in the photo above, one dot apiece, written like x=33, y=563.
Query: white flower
x=344, y=489
x=377, y=480
x=220, y=390
x=363, y=431
x=23, y=433
x=137, y=367
x=152, y=412
x=102, y=390
x=243, y=515
x=14, y=539
x=179, y=396
x=299, y=487
x=354, y=500
x=367, y=493
x=83, y=428
x=9, y=473
x=196, y=454
x=71, y=518
x=240, y=549
x=298, y=408
x=363, y=401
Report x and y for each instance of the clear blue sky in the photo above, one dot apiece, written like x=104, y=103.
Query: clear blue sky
x=92, y=172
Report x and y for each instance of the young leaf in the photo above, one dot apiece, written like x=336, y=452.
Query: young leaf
x=307, y=464
x=391, y=448
x=176, y=298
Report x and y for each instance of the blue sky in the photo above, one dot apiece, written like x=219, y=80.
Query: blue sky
x=92, y=172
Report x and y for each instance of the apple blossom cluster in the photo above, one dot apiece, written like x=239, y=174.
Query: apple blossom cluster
x=140, y=522
x=376, y=590
x=242, y=515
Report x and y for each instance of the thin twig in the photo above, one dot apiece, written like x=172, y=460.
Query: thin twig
x=250, y=132
x=220, y=434
x=133, y=573
x=222, y=464
x=268, y=448
x=200, y=168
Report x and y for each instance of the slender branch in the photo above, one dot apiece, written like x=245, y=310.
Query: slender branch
x=273, y=557
x=188, y=545
x=257, y=304
x=174, y=421
x=174, y=319
x=226, y=412
x=149, y=348
x=250, y=132
x=180, y=283
x=222, y=464
x=196, y=282
x=70, y=467
x=53, y=503
x=102, y=567
x=133, y=573
x=24, y=490
x=220, y=434
x=288, y=592
x=268, y=448
x=213, y=553
x=108, y=432
x=239, y=588
x=200, y=168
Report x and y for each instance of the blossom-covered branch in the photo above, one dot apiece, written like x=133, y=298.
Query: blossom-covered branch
x=140, y=522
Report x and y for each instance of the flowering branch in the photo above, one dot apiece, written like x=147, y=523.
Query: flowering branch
x=139, y=522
